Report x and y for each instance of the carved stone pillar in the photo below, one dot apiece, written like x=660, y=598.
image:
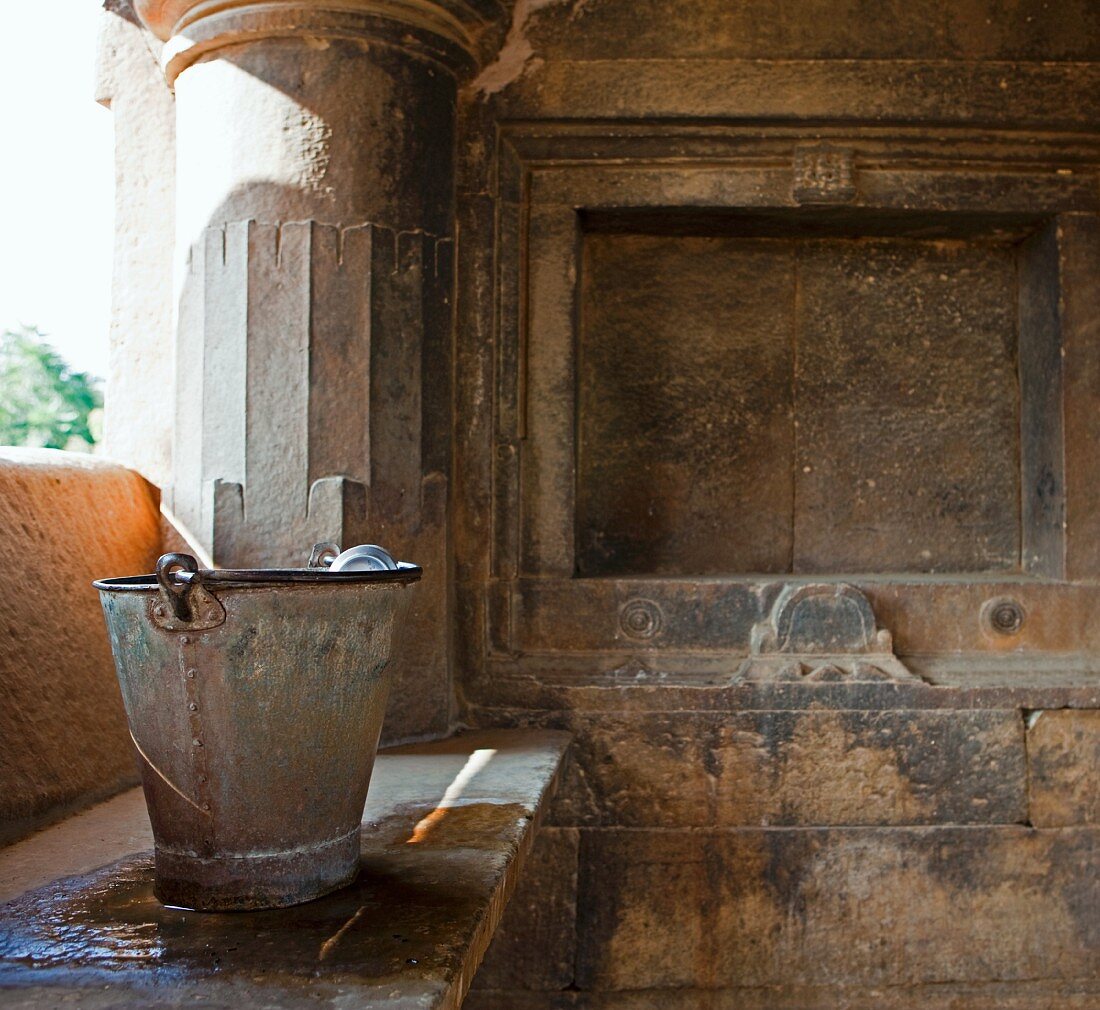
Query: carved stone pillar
x=314, y=238
x=314, y=219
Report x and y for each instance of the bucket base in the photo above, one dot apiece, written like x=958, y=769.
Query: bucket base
x=238, y=883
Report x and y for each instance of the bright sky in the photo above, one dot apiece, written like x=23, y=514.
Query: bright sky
x=56, y=180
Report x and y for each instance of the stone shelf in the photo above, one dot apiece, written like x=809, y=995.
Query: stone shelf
x=446, y=831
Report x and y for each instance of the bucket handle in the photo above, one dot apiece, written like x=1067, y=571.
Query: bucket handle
x=323, y=554
x=184, y=603
x=177, y=594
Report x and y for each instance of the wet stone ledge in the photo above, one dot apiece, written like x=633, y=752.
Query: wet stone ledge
x=446, y=832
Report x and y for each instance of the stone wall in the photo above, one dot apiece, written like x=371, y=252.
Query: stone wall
x=728, y=848
x=635, y=178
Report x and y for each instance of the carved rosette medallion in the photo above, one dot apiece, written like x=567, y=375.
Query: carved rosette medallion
x=641, y=619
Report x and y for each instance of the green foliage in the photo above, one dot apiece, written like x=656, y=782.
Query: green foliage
x=43, y=402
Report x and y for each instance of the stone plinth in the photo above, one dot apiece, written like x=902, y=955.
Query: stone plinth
x=447, y=830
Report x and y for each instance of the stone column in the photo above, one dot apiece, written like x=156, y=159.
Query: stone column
x=313, y=234
x=315, y=148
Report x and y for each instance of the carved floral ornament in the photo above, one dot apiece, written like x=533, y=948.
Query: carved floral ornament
x=821, y=633
x=446, y=31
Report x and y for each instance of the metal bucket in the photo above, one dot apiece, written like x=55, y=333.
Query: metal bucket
x=255, y=701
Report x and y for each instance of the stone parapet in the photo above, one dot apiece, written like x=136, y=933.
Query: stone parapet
x=65, y=519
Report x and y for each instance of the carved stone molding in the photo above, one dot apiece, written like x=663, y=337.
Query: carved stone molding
x=822, y=633
x=444, y=32
x=823, y=175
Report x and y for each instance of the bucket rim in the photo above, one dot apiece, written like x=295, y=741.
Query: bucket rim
x=243, y=578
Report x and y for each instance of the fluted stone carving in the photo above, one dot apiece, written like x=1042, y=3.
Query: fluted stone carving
x=301, y=382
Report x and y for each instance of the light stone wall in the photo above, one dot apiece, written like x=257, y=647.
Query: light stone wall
x=719, y=844
x=138, y=414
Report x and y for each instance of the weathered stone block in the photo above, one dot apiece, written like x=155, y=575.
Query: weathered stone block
x=1063, y=751
x=638, y=770
x=904, y=767
x=847, y=906
x=1083, y=994
x=534, y=946
x=795, y=767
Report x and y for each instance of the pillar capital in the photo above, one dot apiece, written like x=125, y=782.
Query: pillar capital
x=445, y=31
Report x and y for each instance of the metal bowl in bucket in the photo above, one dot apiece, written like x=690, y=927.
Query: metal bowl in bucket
x=255, y=701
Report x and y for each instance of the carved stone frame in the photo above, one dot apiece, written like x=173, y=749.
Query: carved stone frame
x=549, y=174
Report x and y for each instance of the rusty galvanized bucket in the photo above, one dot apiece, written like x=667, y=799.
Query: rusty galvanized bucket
x=255, y=702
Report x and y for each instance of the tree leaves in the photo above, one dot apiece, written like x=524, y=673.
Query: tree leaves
x=43, y=402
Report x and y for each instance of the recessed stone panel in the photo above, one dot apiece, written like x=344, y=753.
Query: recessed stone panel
x=796, y=404
x=684, y=440
x=793, y=768
x=907, y=402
